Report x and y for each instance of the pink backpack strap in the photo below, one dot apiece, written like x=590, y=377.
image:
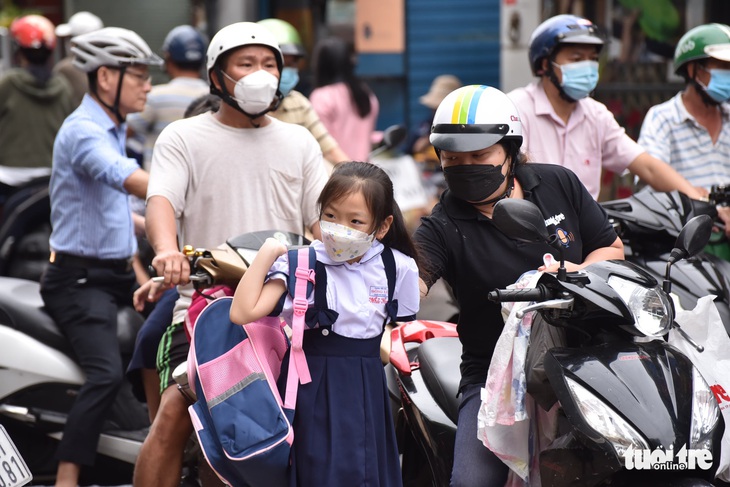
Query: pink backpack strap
x=298, y=368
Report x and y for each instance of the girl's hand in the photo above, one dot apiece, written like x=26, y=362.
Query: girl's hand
x=148, y=292
x=273, y=247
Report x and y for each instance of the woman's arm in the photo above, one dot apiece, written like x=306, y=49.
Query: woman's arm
x=614, y=251
x=255, y=298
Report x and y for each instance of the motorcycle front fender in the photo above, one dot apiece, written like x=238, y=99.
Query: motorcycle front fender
x=648, y=384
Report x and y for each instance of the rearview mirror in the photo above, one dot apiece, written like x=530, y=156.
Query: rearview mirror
x=694, y=236
x=520, y=219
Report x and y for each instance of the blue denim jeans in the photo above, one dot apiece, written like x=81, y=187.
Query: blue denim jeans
x=474, y=464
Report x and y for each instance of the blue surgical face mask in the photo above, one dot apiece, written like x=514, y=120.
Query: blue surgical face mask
x=289, y=79
x=719, y=87
x=579, y=79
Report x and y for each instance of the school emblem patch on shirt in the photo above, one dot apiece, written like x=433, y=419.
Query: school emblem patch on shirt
x=378, y=294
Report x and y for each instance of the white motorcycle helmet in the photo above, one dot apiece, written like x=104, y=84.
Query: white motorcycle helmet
x=234, y=36
x=79, y=23
x=111, y=46
x=242, y=34
x=474, y=117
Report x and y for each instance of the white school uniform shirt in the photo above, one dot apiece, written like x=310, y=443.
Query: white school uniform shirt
x=359, y=291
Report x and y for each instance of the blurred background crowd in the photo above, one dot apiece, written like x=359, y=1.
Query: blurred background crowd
x=399, y=47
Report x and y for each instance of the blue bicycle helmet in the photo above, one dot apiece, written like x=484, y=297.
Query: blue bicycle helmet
x=184, y=44
x=561, y=29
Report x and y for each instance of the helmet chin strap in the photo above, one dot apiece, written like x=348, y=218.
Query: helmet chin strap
x=115, y=107
x=226, y=97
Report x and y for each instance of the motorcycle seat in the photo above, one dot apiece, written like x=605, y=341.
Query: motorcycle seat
x=439, y=360
x=21, y=308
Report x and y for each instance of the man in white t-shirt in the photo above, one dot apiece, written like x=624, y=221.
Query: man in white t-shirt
x=214, y=176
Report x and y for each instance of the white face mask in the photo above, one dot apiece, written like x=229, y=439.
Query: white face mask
x=255, y=92
x=344, y=243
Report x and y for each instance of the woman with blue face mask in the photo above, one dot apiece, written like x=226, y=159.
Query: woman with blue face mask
x=563, y=125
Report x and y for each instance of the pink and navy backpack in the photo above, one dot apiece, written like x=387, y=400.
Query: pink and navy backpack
x=242, y=423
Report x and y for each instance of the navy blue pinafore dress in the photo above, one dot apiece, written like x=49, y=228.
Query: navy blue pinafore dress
x=343, y=426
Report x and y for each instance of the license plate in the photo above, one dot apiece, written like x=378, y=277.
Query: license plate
x=13, y=470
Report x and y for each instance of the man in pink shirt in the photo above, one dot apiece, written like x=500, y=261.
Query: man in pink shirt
x=562, y=124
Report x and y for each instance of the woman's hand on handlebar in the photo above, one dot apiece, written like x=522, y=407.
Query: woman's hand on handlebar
x=569, y=266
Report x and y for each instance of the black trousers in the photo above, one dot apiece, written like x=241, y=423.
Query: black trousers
x=84, y=304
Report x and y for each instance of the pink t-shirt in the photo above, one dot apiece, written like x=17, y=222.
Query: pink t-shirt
x=592, y=138
x=339, y=114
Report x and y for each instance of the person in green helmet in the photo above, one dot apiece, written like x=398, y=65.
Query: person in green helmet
x=691, y=131
x=295, y=107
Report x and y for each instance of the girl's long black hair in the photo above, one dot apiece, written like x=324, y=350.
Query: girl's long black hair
x=377, y=188
x=333, y=63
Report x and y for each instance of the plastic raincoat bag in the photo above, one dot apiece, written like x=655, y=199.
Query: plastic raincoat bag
x=705, y=327
x=509, y=421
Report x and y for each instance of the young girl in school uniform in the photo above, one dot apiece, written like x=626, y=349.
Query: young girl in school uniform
x=343, y=429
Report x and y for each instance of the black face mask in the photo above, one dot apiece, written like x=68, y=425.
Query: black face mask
x=474, y=182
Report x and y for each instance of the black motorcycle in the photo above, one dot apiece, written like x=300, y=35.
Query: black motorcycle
x=622, y=400
x=648, y=223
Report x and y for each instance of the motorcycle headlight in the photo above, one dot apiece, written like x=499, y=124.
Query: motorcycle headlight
x=649, y=306
x=705, y=413
x=605, y=421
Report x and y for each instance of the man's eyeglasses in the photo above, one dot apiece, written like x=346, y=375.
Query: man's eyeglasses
x=141, y=77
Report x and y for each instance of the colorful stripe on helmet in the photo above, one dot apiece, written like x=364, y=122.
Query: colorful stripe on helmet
x=466, y=103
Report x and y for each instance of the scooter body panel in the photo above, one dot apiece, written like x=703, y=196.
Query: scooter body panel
x=17, y=372
x=436, y=432
x=433, y=431
x=648, y=384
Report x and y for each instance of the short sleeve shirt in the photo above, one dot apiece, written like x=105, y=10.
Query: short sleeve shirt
x=671, y=134
x=223, y=181
x=464, y=247
x=296, y=108
x=356, y=290
x=590, y=141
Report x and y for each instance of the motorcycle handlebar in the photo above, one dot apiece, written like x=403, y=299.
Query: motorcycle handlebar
x=538, y=293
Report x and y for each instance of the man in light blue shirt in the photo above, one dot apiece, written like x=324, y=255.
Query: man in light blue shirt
x=93, y=242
